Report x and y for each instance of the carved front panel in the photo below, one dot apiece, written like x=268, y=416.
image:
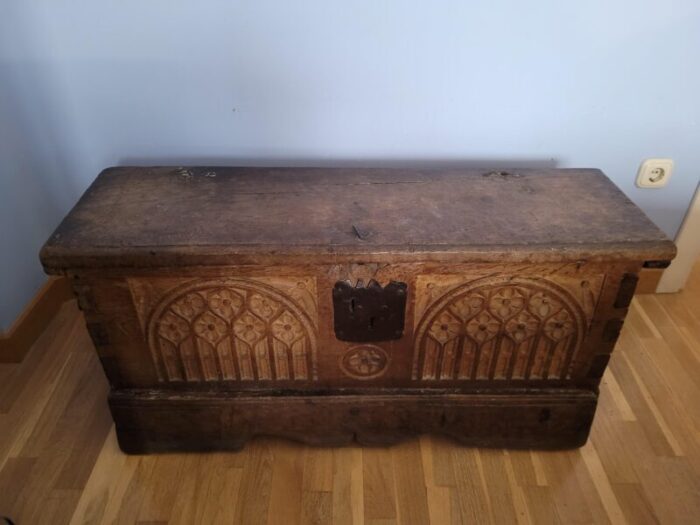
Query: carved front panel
x=229, y=329
x=500, y=327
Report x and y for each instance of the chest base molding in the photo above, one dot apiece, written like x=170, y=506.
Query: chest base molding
x=148, y=421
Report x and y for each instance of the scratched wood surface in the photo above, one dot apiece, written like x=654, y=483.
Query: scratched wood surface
x=59, y=462
x=176, y=216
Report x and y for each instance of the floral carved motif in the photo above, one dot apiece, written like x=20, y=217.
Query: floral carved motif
x=483, y=327
x=286, y=328
x=559, y=326
x=210, y=327
x=232, y=329
x=506, y=302
x=499, y=328
x=522, y=326
x=445, y=327
x=364, y=362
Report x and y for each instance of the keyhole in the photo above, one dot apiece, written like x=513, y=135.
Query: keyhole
x=352, y=305
x=371, y=323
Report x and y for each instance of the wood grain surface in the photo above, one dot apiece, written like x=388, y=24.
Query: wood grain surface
x=175, y=216
x=59, y=460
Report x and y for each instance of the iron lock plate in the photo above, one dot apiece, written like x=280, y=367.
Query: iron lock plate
x=369, y=313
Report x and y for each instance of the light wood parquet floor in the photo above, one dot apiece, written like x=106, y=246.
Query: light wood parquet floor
x=59, y=462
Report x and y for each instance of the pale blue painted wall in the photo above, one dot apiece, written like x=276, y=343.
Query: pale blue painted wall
x=87, y=84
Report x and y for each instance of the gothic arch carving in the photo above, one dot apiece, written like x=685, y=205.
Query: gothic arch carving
x=499, y=328
x=231, y=329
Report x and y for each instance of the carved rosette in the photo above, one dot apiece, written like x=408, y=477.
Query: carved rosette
x=499, y=328
x=231, y=330
x=364, y=362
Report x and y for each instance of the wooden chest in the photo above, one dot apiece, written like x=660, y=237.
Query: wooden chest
x=339, y=305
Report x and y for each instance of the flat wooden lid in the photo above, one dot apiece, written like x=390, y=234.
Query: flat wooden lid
x=170, y=216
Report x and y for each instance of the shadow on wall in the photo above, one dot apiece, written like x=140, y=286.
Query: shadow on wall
x=38, y=182
x=296, y=162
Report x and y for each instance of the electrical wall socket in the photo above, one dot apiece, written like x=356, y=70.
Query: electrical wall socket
x=654, y=173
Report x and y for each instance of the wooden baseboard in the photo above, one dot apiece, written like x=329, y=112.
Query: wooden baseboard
x=16, y=342
x=649, y=279
x=688, y=242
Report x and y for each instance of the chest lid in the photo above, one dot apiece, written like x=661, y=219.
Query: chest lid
x=172, y=216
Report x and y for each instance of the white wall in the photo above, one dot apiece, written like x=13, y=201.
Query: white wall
x=87, y=84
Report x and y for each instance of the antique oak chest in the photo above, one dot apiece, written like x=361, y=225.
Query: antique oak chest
x=340, y=305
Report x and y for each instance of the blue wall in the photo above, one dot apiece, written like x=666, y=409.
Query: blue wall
x=87, y=84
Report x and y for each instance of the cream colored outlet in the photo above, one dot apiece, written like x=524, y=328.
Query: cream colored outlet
x=654, y=173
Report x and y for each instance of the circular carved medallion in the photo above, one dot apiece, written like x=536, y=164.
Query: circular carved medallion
x=364, y=362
